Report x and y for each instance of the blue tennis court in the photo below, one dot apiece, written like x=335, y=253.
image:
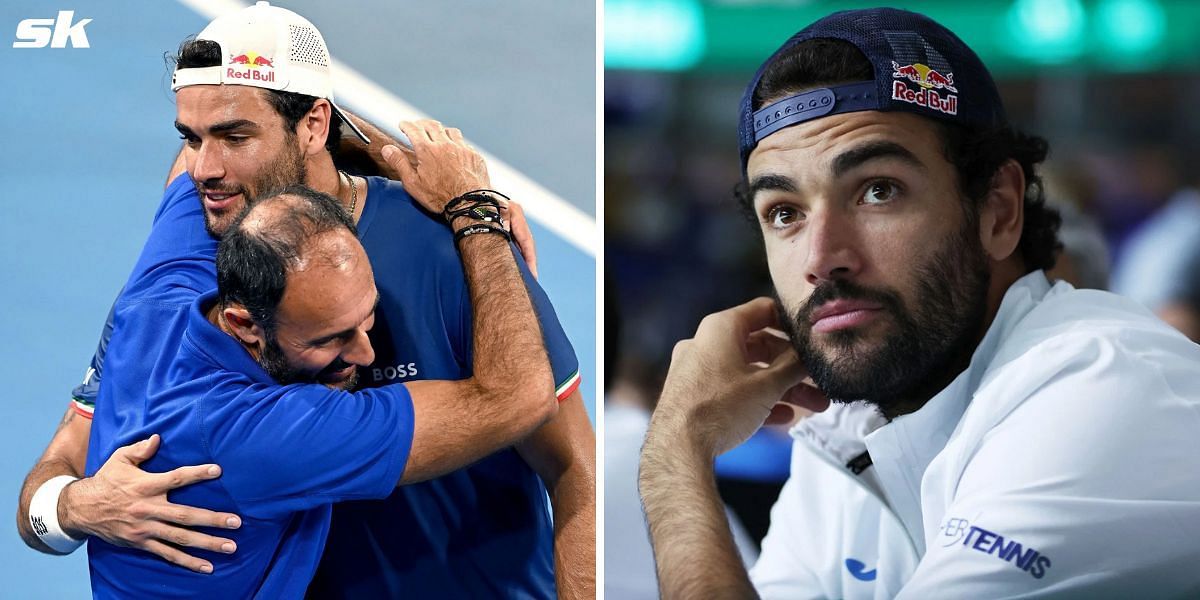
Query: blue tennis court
x=88, y=141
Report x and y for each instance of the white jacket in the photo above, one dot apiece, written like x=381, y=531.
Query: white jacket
x=1063, y=462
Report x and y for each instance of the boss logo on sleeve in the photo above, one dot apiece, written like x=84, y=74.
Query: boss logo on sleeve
x=959, y=531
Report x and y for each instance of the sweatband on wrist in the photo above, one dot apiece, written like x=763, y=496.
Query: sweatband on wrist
x=43, y=515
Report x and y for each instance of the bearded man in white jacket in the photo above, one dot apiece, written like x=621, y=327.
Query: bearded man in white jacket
x=991, y=434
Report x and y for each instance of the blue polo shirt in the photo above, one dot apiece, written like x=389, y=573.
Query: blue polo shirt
x=481, y=531
x=484, y=531
x=287, y=452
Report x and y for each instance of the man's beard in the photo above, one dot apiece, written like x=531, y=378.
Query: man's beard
x=276, y=365
x=925, y=348
x=285, y=169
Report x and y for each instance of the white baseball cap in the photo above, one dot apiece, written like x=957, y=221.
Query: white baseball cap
x=268, y=47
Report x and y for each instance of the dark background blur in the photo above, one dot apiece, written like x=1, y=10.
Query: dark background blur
x=1114, y=85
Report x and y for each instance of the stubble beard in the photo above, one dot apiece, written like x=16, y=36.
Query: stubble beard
x=287, y=168
x=273, y=361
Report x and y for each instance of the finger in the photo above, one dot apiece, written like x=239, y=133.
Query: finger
x=781, y=414
x=390, y=154
x=806, y=397
x=404, y=141
x=756, y=314
x=414, y=132
x=189, y=516
x=136, y=453
x=680, y=348
x=182, y=476
x=177, y=557
x=784, y=372
x=455, y=134
x=394, y=155
x=186, y=538
x=765, y=345
x=434, y=130
x=403, y=166
x=742, y=319
x=405, y=150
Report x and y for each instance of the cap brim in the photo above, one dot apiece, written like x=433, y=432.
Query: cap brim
x=350, y=124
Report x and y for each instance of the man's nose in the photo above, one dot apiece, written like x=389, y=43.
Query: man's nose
x=359, y=351
x=832, y=247
x=209, y=163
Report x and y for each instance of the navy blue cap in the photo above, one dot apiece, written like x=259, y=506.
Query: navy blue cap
x=920, y=67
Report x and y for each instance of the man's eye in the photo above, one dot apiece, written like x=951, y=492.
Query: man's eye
x=781, y=216
x=190, y=140
x=879, y=192
x=236, y=139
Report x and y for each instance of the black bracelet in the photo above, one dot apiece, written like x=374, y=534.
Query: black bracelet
x=477, y=228
x=477, y=196
x=487, y=211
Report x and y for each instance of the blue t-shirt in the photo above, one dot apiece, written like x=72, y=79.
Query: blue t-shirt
x=288, y=452
x=484, y=530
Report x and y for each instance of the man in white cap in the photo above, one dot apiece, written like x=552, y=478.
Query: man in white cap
x=244, y=136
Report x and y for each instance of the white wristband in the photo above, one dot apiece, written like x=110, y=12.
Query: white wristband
x=43, y=515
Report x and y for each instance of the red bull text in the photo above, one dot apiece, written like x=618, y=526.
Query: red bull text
x=247, y=66
x=930, y=80
x=264, y=76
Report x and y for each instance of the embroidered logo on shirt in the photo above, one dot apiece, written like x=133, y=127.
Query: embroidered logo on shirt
x=858, y=570
x=957, y=530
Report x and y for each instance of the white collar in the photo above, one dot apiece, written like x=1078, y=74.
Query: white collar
x=901, y=450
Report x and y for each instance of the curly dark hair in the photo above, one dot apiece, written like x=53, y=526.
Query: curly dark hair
x=290, y=105
x=976, y=152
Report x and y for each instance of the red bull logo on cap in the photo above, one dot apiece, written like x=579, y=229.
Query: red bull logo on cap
x=250, y=66
x=929, y=81
x=251, y=60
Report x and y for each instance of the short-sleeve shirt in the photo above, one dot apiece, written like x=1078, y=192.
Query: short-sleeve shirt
x=469, y=533
x=287, y=453
x=484, y=530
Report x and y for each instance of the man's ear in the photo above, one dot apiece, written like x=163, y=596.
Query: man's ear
x=313, y=128
x=243, y=327
x=1002, y=214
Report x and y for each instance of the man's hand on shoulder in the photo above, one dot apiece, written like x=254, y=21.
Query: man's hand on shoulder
x=440, y=167
x=126, y=506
